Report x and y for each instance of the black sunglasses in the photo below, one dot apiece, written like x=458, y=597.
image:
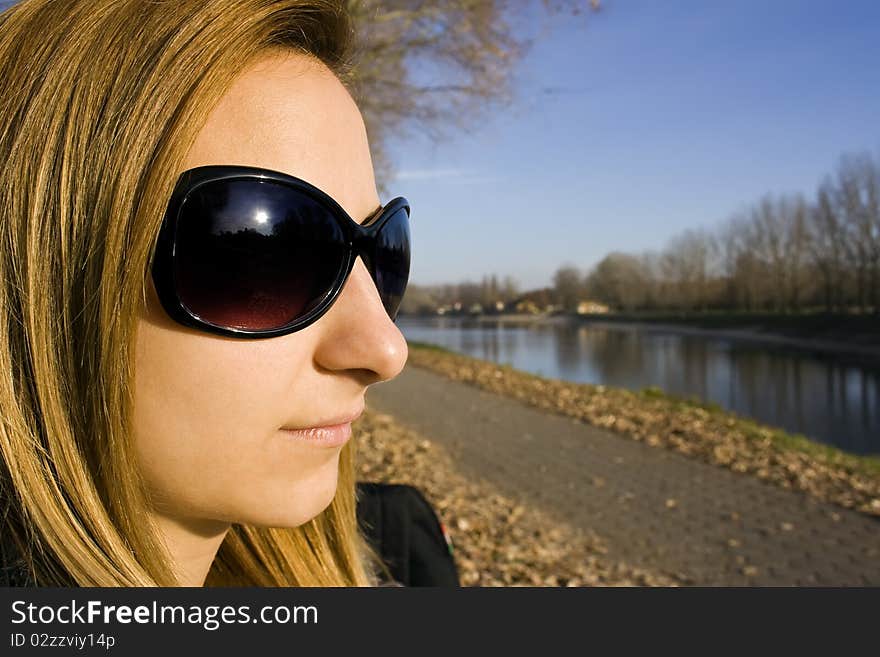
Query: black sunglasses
x=251, y=253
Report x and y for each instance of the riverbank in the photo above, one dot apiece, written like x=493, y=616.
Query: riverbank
x=855, y=336
x=498, y=541
x=700, y=431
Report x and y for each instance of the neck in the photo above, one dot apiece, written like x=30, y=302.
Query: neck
x=192, y=544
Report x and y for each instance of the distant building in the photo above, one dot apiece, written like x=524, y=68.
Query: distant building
x=534, y=302
x=528, y=307
x=592, y=308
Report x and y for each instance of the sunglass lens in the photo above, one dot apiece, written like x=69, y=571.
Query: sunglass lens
x=391, y=260
x=253, y=255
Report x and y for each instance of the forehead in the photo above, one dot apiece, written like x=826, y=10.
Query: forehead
x=289, y=112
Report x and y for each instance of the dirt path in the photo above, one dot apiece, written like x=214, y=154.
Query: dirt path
x=654, y=508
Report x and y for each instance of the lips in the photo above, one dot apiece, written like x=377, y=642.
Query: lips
x=321, y=436
x=332, y=422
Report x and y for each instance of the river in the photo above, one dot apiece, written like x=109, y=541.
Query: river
x=826, y=397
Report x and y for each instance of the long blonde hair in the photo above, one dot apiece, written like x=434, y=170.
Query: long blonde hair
x=100, y=100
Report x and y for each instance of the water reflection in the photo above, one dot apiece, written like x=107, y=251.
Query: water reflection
x=831, y=401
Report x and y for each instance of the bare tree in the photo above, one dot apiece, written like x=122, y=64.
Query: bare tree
x=685, y=264
x=730, y=246
x=781, y=240
x=418, y=300
x=436, y=66
x=568, y=286
x=509, y=289
x=769, y=231
x=795, y=213
x=620, y=280
x=856, y=195
x=828, y=247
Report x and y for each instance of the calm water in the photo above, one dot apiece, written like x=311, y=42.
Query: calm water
x=832, y=401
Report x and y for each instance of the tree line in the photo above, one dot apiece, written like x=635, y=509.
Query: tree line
x=462, y=297
x=784, y=253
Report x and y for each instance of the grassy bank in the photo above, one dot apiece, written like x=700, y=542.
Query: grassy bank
x=702, y=431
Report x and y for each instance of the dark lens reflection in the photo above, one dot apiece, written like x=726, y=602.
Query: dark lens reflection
x=255, y=255
x=391, y=258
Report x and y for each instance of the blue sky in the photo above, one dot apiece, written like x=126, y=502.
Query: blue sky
x=661, y=116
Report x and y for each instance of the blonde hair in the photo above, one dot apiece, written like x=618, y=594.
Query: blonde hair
x=100, y=101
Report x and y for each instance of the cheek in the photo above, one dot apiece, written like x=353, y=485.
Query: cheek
x=206, y=419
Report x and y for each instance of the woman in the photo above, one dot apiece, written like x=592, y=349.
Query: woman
x=187, y=293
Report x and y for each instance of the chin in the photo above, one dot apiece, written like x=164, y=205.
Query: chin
x=296, y=504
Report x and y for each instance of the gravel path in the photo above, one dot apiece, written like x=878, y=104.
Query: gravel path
x=497, y=540
x=653, y=508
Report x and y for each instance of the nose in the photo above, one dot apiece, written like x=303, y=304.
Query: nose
x=357, y=334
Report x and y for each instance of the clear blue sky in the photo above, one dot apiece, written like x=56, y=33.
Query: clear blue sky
x=671, y=115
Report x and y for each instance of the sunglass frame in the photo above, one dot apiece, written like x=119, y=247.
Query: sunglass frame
x=360, y=241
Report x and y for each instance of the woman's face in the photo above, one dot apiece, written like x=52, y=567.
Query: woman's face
x=209, y=409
